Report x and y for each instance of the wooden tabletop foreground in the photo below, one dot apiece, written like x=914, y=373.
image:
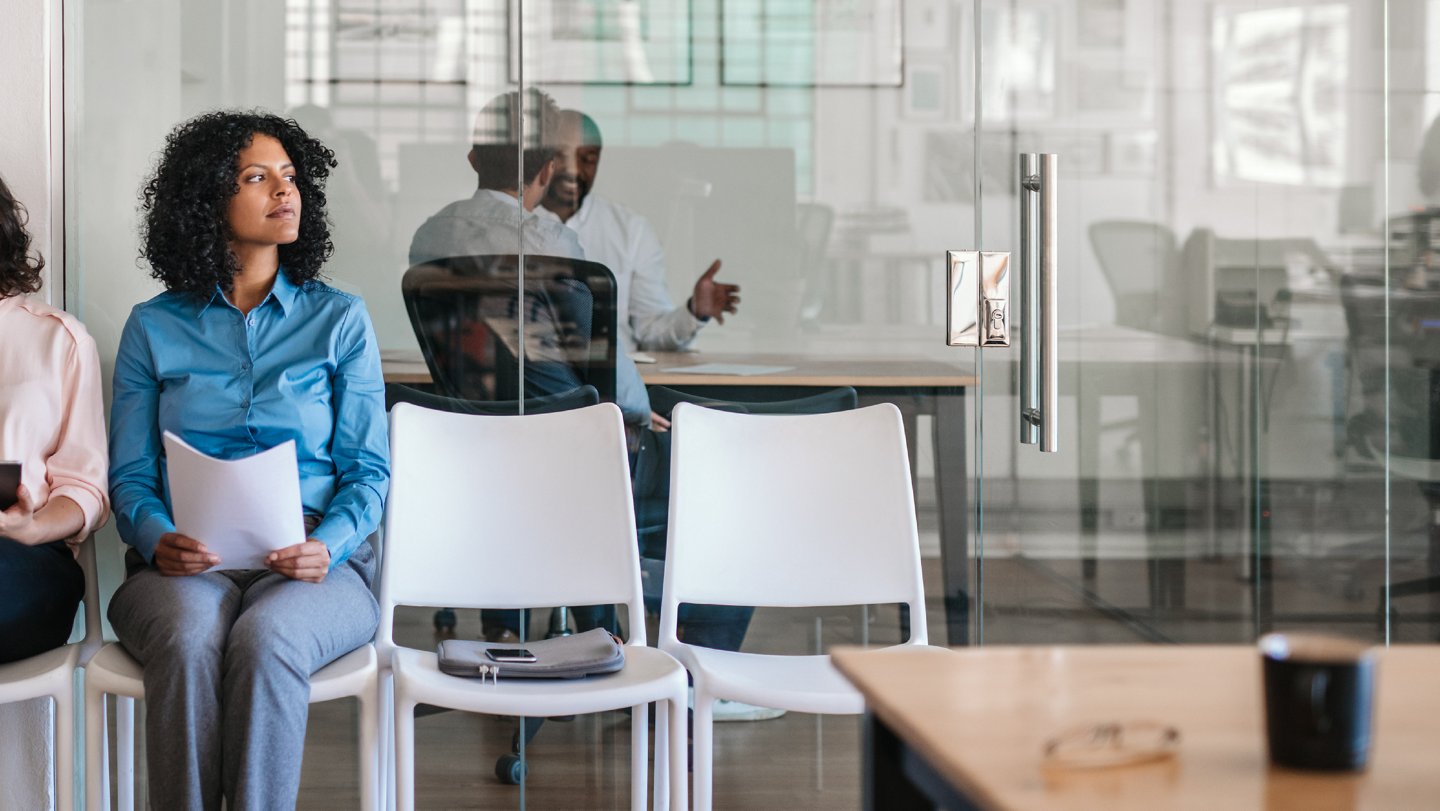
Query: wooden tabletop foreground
x=982, y=716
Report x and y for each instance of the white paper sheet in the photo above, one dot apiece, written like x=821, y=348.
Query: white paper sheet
x=740, y=369
x=241, y=509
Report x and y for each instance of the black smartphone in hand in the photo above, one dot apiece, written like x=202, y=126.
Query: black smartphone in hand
x=9, y=483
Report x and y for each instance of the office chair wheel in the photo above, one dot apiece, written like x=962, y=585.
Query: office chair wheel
x=445, y=619
x=510, y=769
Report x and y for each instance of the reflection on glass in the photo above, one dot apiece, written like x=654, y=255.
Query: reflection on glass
x=1246, y=271
x=1280, y=103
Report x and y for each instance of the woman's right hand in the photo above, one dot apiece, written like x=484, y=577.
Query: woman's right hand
x=178, y=555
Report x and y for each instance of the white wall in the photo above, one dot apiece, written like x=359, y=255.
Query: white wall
x=25, y=128
x=27, y=163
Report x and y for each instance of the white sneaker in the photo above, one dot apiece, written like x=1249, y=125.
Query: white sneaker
x=727, y=710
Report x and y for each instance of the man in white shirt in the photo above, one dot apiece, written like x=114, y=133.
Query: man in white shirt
x=500, y=219
x=623, y=241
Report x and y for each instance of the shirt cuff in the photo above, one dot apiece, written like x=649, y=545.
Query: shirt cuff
x=694, y=321
x=90, y=507
x=147, y=535
x=334, y=536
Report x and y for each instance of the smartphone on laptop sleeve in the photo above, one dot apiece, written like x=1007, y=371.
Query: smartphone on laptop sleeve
x=9, y=483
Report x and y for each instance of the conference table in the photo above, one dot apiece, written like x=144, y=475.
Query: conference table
x=968, y=729
x=919, y=374
x=920, y=383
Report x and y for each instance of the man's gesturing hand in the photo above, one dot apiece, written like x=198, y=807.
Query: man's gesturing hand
x=713, y=299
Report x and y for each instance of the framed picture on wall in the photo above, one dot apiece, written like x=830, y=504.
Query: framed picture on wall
x=601, y=42
x=926, y=94
x=819, y=43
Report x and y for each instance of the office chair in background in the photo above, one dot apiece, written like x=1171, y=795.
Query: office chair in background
x=1395, y=428
x=813, y=223
x=1140, y=261
x=468, y=312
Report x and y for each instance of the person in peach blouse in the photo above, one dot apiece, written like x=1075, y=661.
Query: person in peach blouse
x=52, y=423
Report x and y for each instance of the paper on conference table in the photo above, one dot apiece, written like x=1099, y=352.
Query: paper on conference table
x=241, y=509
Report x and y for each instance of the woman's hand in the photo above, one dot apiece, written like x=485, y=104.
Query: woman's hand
x=308, y=561
x=18, y=522
x=179, y=555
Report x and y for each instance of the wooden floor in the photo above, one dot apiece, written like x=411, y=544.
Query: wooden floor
x=807, y=762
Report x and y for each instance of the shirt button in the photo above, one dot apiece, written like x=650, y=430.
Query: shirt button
x=244, y=403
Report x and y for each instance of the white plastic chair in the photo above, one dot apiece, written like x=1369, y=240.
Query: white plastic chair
x=785, y=510
x=52, y=675
x=114, y=672
x=520, y=512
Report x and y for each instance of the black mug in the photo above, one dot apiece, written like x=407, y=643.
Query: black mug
x=1318, y=696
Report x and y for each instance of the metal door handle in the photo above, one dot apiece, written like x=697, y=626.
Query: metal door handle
x=1039, y=238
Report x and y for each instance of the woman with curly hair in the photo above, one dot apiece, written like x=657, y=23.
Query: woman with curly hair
x=245, y=350
x=52, y=422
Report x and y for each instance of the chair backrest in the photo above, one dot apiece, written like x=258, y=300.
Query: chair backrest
x=549, y=404
x=467, y=314
x=791, y=510
x=842, y=398
x=509, y=512
x=1140, y=260
x=813, y=223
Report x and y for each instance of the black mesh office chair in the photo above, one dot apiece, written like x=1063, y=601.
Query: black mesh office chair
x=467, y=315
x=1393, y=348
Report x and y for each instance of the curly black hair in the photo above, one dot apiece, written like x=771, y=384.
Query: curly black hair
x=19, y=268
x=185, y=231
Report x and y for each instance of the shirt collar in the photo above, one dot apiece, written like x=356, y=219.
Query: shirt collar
x=498, y=195
x=583, y=212
x=283, y=292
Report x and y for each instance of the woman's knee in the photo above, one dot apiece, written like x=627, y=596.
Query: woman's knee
x=159, y=619
x=259, y=639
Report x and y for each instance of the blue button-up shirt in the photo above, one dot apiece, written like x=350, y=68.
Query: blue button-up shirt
x=303, y=365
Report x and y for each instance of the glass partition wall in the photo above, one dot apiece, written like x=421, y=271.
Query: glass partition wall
x=1242, y=321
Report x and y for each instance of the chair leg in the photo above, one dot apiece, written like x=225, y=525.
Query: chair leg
x=639, y=757
x=64, y=750
x=369, y=750
x=661, y=780
x=387, y=740
x=97, y=768
x=677, y=761
x=702, y=738
x=125, y=751
x=404, y=753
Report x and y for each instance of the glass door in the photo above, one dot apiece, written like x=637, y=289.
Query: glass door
x=1243, y=244
x=1236, y=375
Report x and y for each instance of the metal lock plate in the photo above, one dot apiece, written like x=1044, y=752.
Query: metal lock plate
x=977, y=302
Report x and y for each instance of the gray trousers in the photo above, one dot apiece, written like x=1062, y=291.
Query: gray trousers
x=228, y=658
